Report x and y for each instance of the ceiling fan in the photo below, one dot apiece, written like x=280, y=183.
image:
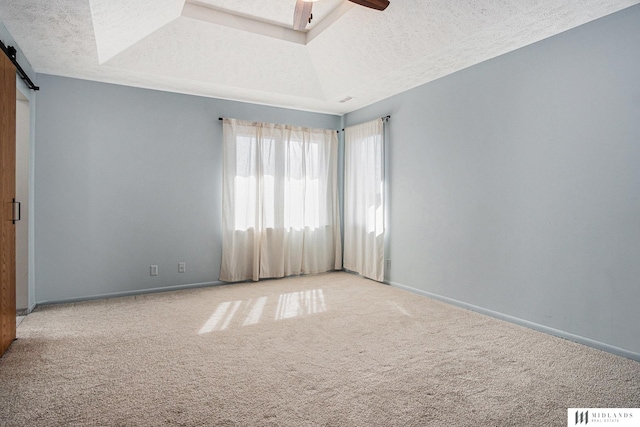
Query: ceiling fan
x=302, y=13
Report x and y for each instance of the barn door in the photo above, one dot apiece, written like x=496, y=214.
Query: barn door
x=8, y=208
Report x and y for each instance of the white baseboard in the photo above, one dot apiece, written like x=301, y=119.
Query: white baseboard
x=527, y=324
x=131, y=293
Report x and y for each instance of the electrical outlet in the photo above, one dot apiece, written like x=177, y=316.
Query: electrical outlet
x=154, y=270
x=182, y=267
x=388, y=266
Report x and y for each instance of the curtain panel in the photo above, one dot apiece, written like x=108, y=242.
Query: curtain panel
x=280, y=213
x=364, y=200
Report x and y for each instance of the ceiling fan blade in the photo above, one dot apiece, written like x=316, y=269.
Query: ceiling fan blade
x=373, y=4
x=301, y=14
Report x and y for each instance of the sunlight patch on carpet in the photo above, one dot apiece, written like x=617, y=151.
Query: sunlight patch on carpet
x=249, y=312
x=255, y=312
x=296, y=304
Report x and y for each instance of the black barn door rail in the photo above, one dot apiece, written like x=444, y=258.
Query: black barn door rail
x=10, y=51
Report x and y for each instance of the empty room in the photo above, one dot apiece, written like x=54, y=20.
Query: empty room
x=320, y=213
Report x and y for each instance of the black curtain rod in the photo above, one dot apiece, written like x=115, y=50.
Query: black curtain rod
x=220, y=118
x=381, y=118
x=10, y=51
x=385, y=119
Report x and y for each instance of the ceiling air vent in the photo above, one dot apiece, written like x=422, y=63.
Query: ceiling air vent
x=347, y=99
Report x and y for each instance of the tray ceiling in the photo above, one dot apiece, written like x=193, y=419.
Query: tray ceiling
x=247, y=51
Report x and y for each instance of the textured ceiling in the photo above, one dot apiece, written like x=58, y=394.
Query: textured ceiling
x=246, y=50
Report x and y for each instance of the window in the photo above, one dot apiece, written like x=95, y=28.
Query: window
x=280, y=208
x=364, y=200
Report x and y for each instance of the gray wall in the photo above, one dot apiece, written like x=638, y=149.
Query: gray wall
x=515, y=184
x=127, y=178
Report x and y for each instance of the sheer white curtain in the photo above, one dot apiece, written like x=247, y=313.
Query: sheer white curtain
x=364, y=199
x=279, y=201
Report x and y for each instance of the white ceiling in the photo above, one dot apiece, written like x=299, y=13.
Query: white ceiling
x=246, y=50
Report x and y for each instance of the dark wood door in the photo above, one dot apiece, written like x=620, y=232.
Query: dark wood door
x=7, y=194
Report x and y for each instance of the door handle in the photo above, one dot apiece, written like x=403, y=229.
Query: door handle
x=14, y=220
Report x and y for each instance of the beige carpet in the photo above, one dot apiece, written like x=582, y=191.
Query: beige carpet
x=325, y=350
